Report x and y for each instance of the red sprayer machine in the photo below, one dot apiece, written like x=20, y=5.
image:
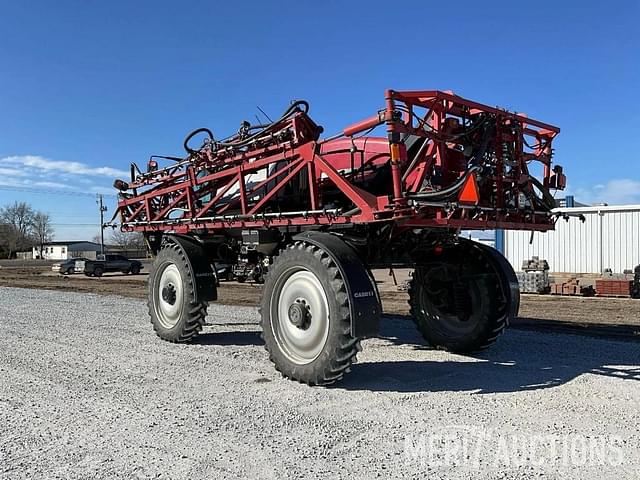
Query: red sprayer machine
x=311, y=216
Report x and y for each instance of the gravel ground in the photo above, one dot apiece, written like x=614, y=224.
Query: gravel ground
x=88, y=391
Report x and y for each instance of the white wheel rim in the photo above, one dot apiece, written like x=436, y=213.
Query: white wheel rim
x=169, y=310
x=301, y=344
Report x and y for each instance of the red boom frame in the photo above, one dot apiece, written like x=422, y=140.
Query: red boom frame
x=194, y=193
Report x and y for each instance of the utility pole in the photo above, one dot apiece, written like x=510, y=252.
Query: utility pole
x=103, y=209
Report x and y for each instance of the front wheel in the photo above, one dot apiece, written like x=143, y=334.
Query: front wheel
x=306, y=317
x=175, y=313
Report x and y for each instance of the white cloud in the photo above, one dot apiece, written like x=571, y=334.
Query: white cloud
x=12, y=172
x=618, y=191
x=37, y=163
x=51, y=185
x=10, y=182
x=36, y=172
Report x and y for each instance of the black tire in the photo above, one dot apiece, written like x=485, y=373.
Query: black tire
x=69, y=271
x=337, y=350
x=97, y=272
x=241, y=279
x=191, y=314
x=135, y=270
x=460, y=332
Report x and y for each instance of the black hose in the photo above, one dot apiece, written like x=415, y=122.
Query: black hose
x=193, y=134
x=445, y=192
x=298, y=105
x=547, y=199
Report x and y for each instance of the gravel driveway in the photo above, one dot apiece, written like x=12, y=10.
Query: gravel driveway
x=88, y=391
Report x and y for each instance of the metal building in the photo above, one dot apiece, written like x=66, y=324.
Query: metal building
x=608, y=238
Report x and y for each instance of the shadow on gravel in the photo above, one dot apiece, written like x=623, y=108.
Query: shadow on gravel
x=629, y=332
x=519, y=361
x=228, y=338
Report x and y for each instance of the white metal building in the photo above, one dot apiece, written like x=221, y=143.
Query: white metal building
x=609, y=238
x=65, y=250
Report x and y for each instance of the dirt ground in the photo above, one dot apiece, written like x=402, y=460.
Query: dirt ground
x=618, y=317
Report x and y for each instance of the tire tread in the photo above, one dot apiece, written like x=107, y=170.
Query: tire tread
x=193, y=322
x=336, y=358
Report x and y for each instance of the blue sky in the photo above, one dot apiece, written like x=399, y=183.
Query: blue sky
x=87, y=86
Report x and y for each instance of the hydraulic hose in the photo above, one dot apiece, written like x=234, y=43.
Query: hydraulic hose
x=298, y=105
x=454, y=188
x=547, y=199
x=445, y=192
x=193, y=134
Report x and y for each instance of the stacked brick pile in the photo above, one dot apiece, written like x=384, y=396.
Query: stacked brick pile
x=572, y=287
x=614, y=287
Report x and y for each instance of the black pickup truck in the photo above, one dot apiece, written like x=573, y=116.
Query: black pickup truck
x=111, y=263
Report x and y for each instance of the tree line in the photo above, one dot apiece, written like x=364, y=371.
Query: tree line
x=22, y=227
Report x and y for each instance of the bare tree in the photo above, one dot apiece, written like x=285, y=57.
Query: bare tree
x=17, y=220
x=128, y=240
x=42, y=230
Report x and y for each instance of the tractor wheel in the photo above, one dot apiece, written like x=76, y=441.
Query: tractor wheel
x=175, y=313
x=306, y=318
x=460, y=316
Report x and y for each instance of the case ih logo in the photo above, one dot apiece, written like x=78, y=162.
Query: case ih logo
x=364, y=294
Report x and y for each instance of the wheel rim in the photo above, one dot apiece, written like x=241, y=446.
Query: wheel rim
x=300, y=315
x=169, y=293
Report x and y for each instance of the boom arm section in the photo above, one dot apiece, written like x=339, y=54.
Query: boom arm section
x=445, y=162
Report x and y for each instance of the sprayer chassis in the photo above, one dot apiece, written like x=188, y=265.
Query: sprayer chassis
x=316, y=215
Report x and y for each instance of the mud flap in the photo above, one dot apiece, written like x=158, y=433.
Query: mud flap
x=201, y=270
x=364, y=299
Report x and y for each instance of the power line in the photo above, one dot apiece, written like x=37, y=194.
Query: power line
x=75, y=224
x=72, y=193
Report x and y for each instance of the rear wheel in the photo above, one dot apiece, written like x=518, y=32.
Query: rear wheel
x=175, y=313
x=306, y=317
x=98, y=272
x=459, y=310
x=135, y=270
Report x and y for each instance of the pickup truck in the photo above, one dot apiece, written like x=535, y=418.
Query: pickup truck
x=111, y=263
